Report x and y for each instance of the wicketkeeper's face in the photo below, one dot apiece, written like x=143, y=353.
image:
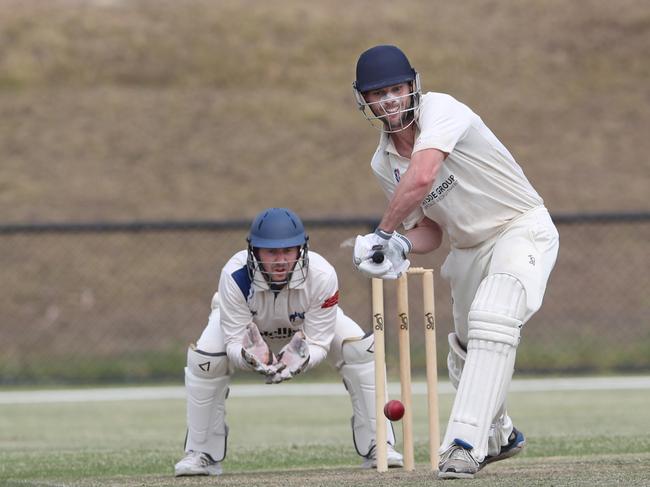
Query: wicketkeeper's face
x=278, y=263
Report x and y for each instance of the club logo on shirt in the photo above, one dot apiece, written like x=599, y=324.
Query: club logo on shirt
x=440, y=192
x=296, y=315
x=397, y=175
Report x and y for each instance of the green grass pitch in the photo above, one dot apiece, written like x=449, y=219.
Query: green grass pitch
x=574, y=438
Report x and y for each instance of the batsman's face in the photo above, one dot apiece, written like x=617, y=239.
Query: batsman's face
x=390, y=103
x=278, y=263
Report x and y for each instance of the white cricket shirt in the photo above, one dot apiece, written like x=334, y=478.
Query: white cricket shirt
x=310, y=306
x=479, y=188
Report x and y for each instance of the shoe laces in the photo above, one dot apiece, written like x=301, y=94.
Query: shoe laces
x=456, y=452
x=204, y=458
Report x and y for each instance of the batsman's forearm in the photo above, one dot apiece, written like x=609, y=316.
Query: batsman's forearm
x=413, y=187
x=407, y=198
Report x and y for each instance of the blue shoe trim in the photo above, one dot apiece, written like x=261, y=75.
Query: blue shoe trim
x=462, y=443
x=518, y=440
x=512, y=448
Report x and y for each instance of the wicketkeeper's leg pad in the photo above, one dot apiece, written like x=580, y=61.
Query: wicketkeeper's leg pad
x=495, y=319
x=358, y=374
x=206, y=385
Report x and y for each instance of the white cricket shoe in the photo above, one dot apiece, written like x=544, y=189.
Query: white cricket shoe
x=394, y=457
x=457, y=462
x=197, y=463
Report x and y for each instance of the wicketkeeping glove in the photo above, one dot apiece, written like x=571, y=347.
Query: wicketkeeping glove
x=256, y=352
x=292, y=359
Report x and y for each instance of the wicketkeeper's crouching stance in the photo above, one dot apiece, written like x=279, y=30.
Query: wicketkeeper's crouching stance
x=275, y=313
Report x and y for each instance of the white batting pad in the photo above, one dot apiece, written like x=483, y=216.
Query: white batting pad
x=359, y=380
x=501, y=427
x=495, y=319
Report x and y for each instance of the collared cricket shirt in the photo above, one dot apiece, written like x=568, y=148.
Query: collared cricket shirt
x=310, y=306
x=479, y=188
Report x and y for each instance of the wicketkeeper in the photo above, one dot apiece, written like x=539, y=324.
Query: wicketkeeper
x=443, y=169
x=275, y=313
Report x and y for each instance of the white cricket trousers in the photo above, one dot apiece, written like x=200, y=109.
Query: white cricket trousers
x=526, y=249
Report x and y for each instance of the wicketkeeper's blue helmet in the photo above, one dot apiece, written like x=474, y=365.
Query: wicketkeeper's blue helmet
x=382, y=66
x=277, y=228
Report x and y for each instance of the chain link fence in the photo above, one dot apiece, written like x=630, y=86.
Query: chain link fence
x=93, y=303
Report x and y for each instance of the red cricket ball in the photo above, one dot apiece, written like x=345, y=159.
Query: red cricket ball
x=394, y=410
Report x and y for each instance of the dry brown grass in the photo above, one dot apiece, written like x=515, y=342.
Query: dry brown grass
x=200, y=109
x=153, y=109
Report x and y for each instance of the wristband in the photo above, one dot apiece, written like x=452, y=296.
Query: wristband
x=383, y=234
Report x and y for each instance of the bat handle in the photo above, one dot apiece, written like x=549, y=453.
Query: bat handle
x=378, y=257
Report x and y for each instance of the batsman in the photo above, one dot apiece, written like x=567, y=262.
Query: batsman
x=276, y=314
x=442, y=169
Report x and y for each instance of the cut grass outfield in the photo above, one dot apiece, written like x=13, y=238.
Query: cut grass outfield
x=574, y=438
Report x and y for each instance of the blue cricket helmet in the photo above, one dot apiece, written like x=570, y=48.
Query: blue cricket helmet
x=277, y=228
x=382, y=66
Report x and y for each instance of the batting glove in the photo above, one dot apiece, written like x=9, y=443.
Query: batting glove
x=391, y=261
x=367, y=245
x=398, y=248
